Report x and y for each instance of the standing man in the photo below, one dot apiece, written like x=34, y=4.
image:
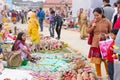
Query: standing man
x=22, y=15
x=59, y=22
x=29, y=13
x=41, y=16
x=108, y=10
x=1, y=17
x=52, y=22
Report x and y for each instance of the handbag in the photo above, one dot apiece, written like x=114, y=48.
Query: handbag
x=90, y=38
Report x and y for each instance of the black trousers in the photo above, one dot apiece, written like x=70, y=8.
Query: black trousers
x=58, y=30
x=111, y=70
x=22, y=20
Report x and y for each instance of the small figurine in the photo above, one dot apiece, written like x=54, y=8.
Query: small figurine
x=85, y=76
x=92, y=76
x=1, y=64
x=79, y=64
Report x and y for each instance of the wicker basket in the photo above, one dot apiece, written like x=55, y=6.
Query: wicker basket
x=13, y=58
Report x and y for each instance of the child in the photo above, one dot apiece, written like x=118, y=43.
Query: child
x=110, y=53
x=21, y=45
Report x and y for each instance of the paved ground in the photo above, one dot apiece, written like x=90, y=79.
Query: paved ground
x=71, y=37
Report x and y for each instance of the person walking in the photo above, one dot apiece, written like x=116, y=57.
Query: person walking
x=110, y=53
x=59, y=22
x=98, y=27
x=117, y=16
x=82, y=22
x=1, y=18
x=22, y=15
x=52, y=23
x=33, y=29
x=13, y=16
x=41, y=16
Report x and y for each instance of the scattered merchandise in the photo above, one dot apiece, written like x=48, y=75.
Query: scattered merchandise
x=52, y=59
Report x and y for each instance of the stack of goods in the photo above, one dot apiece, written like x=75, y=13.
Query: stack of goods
x=80, y=71
x=49, y=44
x=47, y=76
x=67, y=65
x=7, y=35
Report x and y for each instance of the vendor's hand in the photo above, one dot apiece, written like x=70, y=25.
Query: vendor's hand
x=94, y=23
x=29, y=57
x=103, y=36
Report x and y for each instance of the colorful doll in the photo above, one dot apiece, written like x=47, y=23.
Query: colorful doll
x=85, y=76
x=1, y=64
x=92, y=76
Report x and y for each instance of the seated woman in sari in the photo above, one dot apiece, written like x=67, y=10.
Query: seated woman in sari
x=21, y=45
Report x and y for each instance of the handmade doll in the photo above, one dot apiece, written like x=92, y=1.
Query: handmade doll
x=67, y=55
x=47, y=37
x=45, y=45
x=42, y=45
x=41, y=36
x=79, y=77
x=74, y=75
x=85, y=76
x=1, y=64
x=52, y=44
x=67, y=76
x=92, y=76
x=79, y=64
x=7, y=33
x=60, y=44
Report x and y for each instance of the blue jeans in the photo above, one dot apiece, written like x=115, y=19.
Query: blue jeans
x=41, y=24
x=51, y=28
x=111, y=70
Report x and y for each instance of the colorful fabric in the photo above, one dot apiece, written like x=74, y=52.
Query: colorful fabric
x=117, y=24
x=13, y=18
x=22, y=46
x=49, y=63
x=94, y=52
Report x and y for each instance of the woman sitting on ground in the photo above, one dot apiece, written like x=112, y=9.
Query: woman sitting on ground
x=21, y=45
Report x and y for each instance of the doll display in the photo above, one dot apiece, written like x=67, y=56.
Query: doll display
x=8, y=37
x=79, y=64
x=1, y=64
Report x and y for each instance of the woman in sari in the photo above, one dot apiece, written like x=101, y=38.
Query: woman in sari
x=82, y=23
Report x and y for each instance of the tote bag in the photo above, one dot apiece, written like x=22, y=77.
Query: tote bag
x=104, y=47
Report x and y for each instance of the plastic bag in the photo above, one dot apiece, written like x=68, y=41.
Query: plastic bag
x=104, y=47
